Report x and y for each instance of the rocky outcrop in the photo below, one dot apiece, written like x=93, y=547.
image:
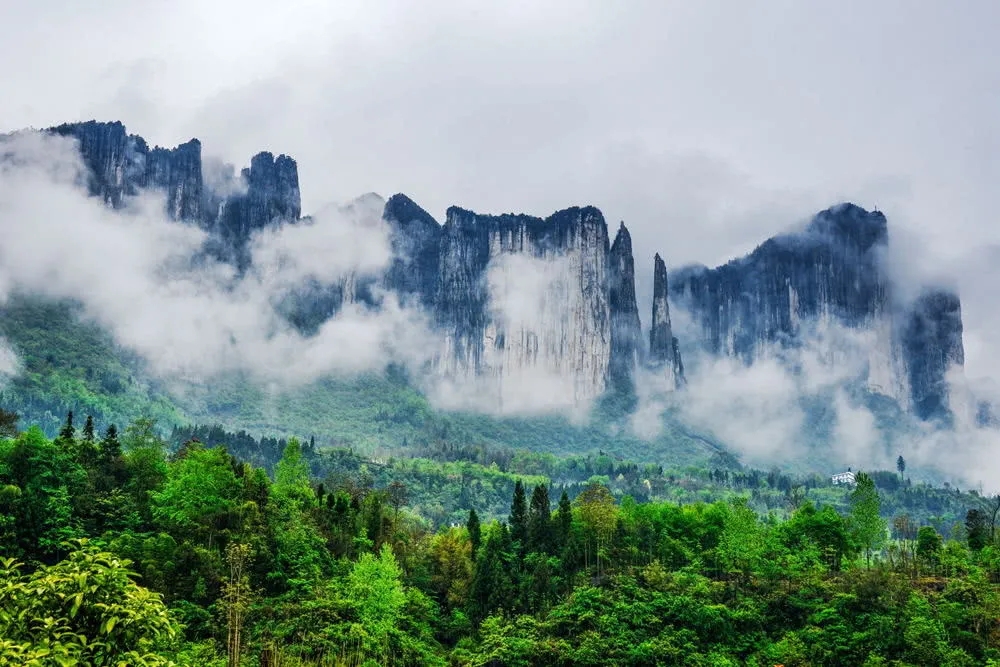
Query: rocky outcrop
x=664, y=350
x=120, y=165
x=271, y=197
x=626, y=331
x=416, y=247
x=516, y=294
x=177, y=172
x=520, y=296
x=932, y=342
x=833, y=272
x=832, y=269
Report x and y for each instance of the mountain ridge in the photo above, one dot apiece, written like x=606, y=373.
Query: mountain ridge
x=470, y=272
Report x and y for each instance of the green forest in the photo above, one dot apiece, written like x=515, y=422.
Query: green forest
x=214, y=548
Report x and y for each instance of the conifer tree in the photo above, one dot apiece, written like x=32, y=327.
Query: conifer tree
x=539, y=520
x=565, y=519
x=519, y=516
x=68, y=432
x=475, y=531
x=88, y=430
x=111, y=448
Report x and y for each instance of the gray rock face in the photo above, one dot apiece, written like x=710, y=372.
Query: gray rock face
x=626, y=330
x=833, y=272
x=832, y=269
x=932, y=342
x=121, y=164
x=517, y=297
x=416, y=247
x=272, y=197
x=520, y=297
x=664, y=352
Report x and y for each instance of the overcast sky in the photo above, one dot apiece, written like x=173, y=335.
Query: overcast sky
x=705, y=126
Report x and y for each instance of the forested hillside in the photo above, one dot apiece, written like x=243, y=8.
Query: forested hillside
x=119, y=548
x=68, y=363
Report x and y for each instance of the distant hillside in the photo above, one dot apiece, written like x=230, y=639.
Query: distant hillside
x=71, y=364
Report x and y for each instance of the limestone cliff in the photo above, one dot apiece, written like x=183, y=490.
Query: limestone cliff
x=626, y=331
x=520, y=296
x=664, y=352
x=832, y=273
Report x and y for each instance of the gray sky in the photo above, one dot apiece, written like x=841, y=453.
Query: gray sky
x=706, y=126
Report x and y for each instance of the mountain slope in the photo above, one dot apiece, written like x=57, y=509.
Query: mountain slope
x=71, y=364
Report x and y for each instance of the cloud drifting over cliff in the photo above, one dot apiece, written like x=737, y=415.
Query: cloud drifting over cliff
x=133, y=272
x=805, y=406
x=533, y=304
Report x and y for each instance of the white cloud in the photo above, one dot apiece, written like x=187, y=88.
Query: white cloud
x=132, y=272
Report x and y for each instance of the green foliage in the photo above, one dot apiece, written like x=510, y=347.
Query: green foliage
x=381, y=561
x=200, y=489
x=867, y=525
x=84, y=609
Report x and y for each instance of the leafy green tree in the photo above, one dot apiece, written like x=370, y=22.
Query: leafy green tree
x=111, y=448
x=200, y=491
x=743, y=543
x=492, y=584
x=236, y=599
x=451, y=575
x=825, y=528
x=976, y=529
x=867, y=525
x=301, y=554
x=291, y=477
x=145, y=463
x=85, y=609
x=42, y=507
x=928, y=545
x=375, y=588
x=599, y=513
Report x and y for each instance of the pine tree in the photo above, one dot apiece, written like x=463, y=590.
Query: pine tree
x=901, y=465
x=519, y=516
x=475, y=531
x=88, y=430
x=539, y=520
x=67, y=434
x=111, y=448
x=565, y=520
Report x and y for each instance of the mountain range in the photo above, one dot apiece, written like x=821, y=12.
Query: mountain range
x=515, y=299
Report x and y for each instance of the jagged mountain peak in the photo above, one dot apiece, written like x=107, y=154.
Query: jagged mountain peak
x=573, y=214
x=664, y=348
x=833, y=271
x=851, y=223
x=405, y=211
x=626, y=329
x=623, y=240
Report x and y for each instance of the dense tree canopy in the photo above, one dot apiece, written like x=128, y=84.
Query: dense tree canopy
x=141, y=553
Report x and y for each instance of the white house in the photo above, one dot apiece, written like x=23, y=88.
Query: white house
x=843, y=477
